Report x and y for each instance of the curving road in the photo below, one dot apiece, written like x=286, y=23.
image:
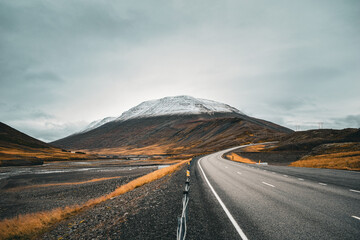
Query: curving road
x=273, y=202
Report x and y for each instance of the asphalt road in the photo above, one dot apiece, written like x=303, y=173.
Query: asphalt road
x=246, y=201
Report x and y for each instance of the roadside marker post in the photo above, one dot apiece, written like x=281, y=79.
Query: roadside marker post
x=181, y=229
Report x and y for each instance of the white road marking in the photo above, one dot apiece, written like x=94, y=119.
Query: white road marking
x=237, y=227
x=352, y=190
x=239, y=173
x=285, y=175
x=273, y=172
x=268, y=184
x=301, y=179
x=324, y=184
x=226, y=167
x=358, y=218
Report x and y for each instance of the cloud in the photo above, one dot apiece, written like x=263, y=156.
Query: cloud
x=47, y=131
x=21, y=112
x=65, y=62
x=352, y=121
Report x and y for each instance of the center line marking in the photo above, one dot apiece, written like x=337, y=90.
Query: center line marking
x=301, y=179
x=324, y=184
x=268, y=184
x=233, y=221
x=239, y=173
x=358, y=218
x=352, y=190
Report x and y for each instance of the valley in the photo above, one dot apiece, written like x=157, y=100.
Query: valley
x=123, y=177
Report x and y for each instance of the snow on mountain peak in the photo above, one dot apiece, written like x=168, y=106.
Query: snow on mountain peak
x=97, y=123
x=176, y=105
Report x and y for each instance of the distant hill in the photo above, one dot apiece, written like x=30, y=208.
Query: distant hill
x=174, y=125
x=17, y=148
x=307, y=140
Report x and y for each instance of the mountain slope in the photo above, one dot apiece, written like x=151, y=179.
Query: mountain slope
x=174, y=125
x=10, y=136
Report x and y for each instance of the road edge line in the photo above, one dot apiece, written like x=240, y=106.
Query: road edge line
x=268, y=184
x=235, y=224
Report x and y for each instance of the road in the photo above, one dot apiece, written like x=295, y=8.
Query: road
x=273, y=202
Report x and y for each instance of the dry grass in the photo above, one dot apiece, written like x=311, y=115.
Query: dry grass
x=254, y=148
x=340, y=160
x=237, y=158
x=28, y=225
x=149, y=150
x=60, y=184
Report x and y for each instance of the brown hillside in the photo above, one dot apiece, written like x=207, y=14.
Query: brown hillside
x=307, y=140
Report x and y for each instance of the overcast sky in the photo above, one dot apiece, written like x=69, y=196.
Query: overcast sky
x=64, y=64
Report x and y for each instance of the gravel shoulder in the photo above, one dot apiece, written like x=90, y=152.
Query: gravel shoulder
x=147, y=212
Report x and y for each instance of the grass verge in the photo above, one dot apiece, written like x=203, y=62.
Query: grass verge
x=237, y=158
x=343, y=160
x=27, y=226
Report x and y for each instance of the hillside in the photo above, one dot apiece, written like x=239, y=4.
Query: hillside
x=322, y=148
x=10, y=136
x=17, y=148
x=307, y=140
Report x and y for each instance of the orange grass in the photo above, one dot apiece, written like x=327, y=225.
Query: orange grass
x=254, y=148
x=342, y=160
x=28, y=225
x=237, y=158
x=149, y=150
x=13, y=153
x=61, y=184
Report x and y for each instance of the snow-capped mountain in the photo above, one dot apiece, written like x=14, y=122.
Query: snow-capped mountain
x=178, y=105
x=173, y=125
x=97, y=123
